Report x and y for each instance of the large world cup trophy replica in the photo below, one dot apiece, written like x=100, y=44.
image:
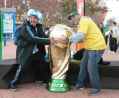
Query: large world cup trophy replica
x=59, y=57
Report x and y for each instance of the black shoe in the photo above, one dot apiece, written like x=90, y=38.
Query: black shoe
x=104, y=62
x=12, y=85
x=94, y=92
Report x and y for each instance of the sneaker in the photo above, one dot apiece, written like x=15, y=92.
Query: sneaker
x=77, y=87
x=94, y=92
x=40, y=83
x=12, y=86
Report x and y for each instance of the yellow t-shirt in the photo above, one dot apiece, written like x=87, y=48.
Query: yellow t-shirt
x=94, y=39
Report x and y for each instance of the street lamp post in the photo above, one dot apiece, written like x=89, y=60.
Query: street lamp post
x=5, y=3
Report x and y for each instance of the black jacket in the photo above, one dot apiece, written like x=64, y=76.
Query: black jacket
x=28, y=38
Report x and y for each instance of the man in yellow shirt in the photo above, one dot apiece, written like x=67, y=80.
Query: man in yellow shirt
x=89, y=33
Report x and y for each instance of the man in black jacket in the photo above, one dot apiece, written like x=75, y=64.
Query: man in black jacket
x=30, y=44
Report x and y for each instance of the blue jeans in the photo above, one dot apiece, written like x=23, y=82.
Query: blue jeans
x=89, y=68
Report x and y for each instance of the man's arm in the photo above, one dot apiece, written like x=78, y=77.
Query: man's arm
x=77, y=37
x=36, y=39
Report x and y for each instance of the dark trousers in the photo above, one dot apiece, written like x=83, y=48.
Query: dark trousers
x=113, y=44
x=39, y=66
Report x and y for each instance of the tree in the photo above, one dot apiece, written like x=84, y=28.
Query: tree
x=93, y=6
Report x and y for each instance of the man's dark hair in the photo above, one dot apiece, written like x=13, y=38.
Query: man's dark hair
x=71, y=15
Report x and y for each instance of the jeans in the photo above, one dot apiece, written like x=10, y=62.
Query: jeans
x=89, y=68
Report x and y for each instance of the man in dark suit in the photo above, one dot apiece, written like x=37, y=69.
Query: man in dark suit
x=30, y=45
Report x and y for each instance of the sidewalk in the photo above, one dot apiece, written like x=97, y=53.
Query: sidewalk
x=35, y=91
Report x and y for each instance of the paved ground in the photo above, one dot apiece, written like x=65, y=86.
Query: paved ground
x=36, y=91
x=9, y=52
